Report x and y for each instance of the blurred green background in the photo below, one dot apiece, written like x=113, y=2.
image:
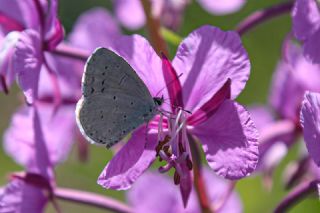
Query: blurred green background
x=263, y=45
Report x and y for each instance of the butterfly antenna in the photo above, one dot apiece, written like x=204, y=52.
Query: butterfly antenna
x=178, y=107
x=169, y=83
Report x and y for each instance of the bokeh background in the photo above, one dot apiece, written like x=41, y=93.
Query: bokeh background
x=264, y=47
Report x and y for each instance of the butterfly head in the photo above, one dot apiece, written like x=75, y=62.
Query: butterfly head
x=158, y=101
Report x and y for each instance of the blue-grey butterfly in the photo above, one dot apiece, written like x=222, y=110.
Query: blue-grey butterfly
x=114, y=99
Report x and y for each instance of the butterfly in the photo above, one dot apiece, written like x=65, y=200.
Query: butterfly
x=114, y=99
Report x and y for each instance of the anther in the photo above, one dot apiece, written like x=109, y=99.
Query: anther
x=162, y=143
x=168, y=150
x=181, y=148
x=4, y=85
x=176, y=178
x=189, y=163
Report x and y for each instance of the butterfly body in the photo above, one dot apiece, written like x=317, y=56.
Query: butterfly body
x=115, y=100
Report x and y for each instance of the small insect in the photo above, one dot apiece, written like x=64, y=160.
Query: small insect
x=114, y=99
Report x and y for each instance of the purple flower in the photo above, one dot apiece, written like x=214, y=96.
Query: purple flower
x=310, y=121
x=19, y=139
x=88, y=35
x=274, y=147
x=215, y=68
x=25, y=192
x=306, y=27
x=169, y=11
x=19, y=196
x=133, y=20
x=222, y=7
x=165, y=196
x=7, y=74
x=40, y=30
x=294, y=75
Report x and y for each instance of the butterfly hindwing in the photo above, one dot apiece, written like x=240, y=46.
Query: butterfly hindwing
x=115, y=100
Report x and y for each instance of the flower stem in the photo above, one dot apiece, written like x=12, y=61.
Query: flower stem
x=91, y=199
x=296, y=194
x=71, y=52
x=154, y=29
x=263, y=15
x=198, y=180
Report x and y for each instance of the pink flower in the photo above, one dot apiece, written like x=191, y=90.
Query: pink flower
x=306, y=27
x=310, y=121
x=293, y=76
x=40, y=31
x=165, y=196
x=215, y=68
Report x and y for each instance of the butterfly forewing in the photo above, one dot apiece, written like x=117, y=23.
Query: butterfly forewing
x=115, y=100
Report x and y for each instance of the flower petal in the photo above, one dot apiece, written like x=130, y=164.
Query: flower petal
x=289, y=82
x=130, y=162
x=185, y=184
x=261, y=116
x=7, y=73
x=130, y=13
x=311, y=47
x=20, y=197
x=137, y=51
x=89, y=35
x=27, y=63
x=207, y=58
x=210, y=107
x=216, y=194
x=172, y=82
x=21, y=13
x=306, y=18
x=222, y=7
x=230, y=141
x=310, y=121
x=165, y=195
x=19, y=138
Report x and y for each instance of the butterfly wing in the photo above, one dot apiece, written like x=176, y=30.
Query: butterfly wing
x=115, y=100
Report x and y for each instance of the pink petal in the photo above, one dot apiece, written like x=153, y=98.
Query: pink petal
x=289, y=82
x=20, y=12
x=94, y=28
x=209, y=108
x=222, y=7
x=130, y=162
x=207, y=58
x=173, y=83
x=306, y=18
x=53, y=29
x=20, y=197
x=310, y=121
x=140, y=55
x=311, y=47
x=6, y=52
x=56, y=37
x=19, y=138
x=230, y=141
x=185, y=184
x=8, y=24
x=165, y=195
x=261, y=116
x=27, y=63
x=130, y=13
x=216, y=194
